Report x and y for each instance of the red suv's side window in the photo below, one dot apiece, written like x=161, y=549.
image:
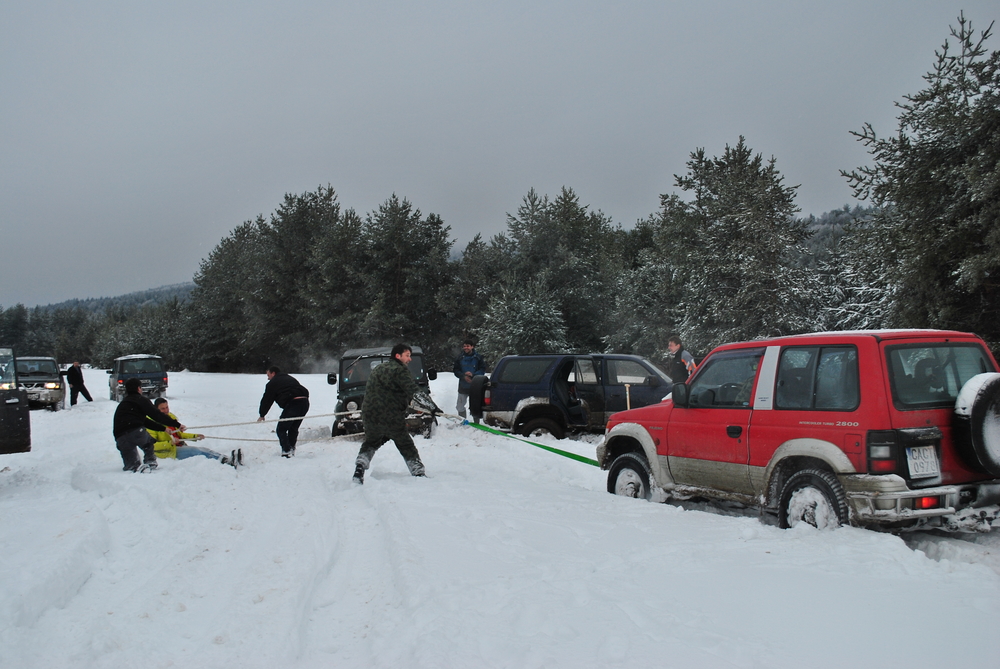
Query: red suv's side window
x=726, y=380
x=823, y=378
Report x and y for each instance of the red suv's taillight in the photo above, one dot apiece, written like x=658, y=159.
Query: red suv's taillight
x=883, y=451
x=887, y=450
x=486, y=397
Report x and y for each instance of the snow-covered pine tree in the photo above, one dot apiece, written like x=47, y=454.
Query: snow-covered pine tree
x=229, y=331
x=936, y=186
x=406, y=265
x=733, y=250
x=521, y=320
x=572, y=251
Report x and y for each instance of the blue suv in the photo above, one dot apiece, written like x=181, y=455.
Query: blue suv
x=148, y=369
x=559, y=393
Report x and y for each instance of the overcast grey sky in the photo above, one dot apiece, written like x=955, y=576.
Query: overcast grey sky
x=136, y=135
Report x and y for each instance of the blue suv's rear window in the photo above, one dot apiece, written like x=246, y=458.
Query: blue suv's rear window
x=525, y=370
x=37, y=367
x=142, y=366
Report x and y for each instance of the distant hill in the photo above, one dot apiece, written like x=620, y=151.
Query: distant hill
x=153, y=296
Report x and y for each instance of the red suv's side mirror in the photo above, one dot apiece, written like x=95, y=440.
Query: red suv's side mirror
x=680, y=394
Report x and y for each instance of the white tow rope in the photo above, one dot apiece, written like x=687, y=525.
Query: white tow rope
x=344, y=437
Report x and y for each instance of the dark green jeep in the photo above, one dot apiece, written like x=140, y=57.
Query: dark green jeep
x=356, y=366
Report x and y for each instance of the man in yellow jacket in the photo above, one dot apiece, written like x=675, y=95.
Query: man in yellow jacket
x=170, y=443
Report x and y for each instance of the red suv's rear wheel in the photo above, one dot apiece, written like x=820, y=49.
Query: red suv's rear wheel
x=813, y=496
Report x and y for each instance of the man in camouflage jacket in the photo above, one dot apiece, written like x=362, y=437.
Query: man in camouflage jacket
x=388, y=393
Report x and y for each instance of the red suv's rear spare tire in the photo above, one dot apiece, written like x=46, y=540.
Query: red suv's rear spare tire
x=977, y=423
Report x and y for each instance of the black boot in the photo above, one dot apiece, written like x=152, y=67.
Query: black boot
x=359, y=475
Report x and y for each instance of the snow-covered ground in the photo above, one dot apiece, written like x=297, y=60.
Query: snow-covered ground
x=506, y=556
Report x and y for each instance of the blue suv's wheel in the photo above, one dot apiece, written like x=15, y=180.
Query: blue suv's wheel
x=537, y=427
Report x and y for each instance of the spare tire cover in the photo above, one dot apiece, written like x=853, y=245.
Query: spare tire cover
x=476, y=388
x=977, y=423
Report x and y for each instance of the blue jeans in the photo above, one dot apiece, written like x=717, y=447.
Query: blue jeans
x=288, y=431
x=192, y=451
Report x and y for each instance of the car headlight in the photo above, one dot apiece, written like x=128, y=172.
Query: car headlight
x=6, y=386
x=352, y=406
x=52, y=386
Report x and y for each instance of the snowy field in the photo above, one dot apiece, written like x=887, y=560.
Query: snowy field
x=506, y=556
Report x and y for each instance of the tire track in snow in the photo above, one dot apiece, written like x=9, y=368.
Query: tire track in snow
x=361, y=579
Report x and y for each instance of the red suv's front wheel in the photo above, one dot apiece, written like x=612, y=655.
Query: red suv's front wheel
x=629, y=476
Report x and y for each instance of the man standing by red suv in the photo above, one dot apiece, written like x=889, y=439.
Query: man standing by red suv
x=682, y=364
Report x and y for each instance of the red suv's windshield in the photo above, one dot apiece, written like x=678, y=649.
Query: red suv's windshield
x=925, y=376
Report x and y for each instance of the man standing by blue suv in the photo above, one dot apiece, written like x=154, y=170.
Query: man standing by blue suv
x=467, y=365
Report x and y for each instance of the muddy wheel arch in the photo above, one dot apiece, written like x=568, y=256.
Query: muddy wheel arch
x=626, y=437
x=797, y=454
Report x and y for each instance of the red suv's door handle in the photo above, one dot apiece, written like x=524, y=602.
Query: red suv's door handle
x=734, y=431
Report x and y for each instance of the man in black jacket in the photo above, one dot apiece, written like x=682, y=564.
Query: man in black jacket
x=74, y=377
x=682, y=363
x=293, y=398
x=134, y=414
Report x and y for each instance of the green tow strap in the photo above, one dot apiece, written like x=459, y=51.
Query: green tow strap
x=565, y=454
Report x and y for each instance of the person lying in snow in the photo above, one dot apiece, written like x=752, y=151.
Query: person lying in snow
x=170, y=444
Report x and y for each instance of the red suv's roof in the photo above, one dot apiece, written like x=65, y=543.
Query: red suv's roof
x=842, y=334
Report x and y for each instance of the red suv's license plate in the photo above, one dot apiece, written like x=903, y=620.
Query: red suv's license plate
x=922, y=461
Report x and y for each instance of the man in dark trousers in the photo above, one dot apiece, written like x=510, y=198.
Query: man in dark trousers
x=134, y=414
x=74, y=377
x=388, y=393
x=467, y=365
x=293, y=398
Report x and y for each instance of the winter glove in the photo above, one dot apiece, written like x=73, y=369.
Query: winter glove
x=423, y=402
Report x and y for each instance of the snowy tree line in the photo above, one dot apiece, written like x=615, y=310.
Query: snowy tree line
x=724, y=258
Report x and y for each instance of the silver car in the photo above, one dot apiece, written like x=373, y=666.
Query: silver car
x=41, y=378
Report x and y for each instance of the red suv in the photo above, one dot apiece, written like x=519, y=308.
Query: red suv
x=888, y=429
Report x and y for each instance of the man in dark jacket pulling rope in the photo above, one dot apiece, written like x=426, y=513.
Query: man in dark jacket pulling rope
x=134, y=414
x=293, y=398
x=388, y=393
